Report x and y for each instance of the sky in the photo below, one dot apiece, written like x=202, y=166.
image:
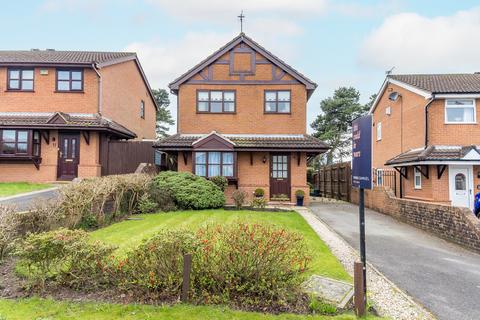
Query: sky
x=334, y=43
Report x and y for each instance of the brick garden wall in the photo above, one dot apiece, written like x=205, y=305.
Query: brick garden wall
x=458, y=225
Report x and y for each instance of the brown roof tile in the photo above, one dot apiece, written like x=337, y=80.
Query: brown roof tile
x=294, y=142
x=432, y=153
x=62, y=120
x=442, y=83
x=61, y=57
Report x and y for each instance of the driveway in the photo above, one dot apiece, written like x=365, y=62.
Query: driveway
x=26, y=201
x=444, y=277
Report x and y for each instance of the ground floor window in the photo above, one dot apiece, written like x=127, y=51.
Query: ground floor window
x=417, y=178
x=214, y=163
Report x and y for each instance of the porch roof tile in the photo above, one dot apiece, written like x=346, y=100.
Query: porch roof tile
x=433, y=153
x=249, y=141
x=39, y=120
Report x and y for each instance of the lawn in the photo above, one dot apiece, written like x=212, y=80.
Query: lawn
x=127, y=234
x=12, y=188
x=35, y=308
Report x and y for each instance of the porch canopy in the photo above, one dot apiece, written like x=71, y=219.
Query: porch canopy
x=436, y=155
x=245, y=142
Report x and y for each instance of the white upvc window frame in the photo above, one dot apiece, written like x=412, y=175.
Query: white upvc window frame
x=473, y=106
x=379, y=131
x=380, y=176
x=417, y=174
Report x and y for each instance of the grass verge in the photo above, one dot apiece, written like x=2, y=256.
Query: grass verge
x=13, y=188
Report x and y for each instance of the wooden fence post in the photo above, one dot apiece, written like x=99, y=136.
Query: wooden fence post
x=359, y=291
x=187, y=268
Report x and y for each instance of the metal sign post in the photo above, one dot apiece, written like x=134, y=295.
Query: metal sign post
x=362, y=179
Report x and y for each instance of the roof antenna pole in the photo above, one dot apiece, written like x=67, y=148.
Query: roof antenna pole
x=241, y=17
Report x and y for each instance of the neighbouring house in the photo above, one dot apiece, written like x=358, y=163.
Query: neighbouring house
x=60, y=109
x=425, y=126
x=242, y=114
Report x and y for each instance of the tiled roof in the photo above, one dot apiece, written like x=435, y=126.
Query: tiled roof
x=442, y=83
x=61, y=57
x=63, y=121
x=433, y=153
x=294, y=142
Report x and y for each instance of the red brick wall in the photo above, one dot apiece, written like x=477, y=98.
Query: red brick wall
x=45, y=99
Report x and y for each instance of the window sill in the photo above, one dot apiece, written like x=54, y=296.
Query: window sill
x=283, y=113
x=13, y=90
x=206, y=112
x=461, y=123
x=67, y=91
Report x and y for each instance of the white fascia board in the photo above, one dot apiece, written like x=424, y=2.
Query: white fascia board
x=379, y=95
x=458, y=96
x=424, y=163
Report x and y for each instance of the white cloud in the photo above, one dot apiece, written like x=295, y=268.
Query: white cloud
x=357, y=10
x=414, y=43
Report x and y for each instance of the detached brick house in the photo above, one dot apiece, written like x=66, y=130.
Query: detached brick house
x=242, y=114
x=59, y=109
x=426, y=127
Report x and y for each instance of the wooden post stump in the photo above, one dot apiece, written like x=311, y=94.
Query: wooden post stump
x=360, y=298
x=187, y=268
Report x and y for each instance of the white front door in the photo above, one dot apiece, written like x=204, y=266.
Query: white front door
x=461, y=186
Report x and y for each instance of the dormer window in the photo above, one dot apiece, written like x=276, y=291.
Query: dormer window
x=277, y=101
x=20, y=79
x=215, y=101
x=460, y=111
x=69, y=80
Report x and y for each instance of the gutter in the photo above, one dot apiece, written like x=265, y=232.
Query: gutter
x=100, y=91
x=426, y=119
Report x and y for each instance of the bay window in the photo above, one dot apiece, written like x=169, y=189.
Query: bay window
x=460, y=111
x=19, y=143
x=214, y=163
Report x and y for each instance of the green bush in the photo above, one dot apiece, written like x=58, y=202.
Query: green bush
x=239, y=197
x=190, y=191
x=259, y=202
x=300, y=193
x=156, y=265
x=318, y=306
x=220, y=181
x=64, y=255
x=250, y=265
x=259, y=192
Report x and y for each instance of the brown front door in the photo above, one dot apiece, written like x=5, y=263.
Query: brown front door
x=279, y=174
x=68, y=155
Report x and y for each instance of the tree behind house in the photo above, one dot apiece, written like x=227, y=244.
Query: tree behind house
x=164, y=117
x=333, y=125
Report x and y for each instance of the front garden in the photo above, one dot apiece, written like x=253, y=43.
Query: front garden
x=13, y=188
x=121, y=240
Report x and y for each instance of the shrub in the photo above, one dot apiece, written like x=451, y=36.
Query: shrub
x=239, y=198
x=320, y=307
x=62, y=254
x=251, y=265
x=190, y=191
x=300, y=193
x=220, y=181
x=259, y=202
x=156, y=265
x=259, y=192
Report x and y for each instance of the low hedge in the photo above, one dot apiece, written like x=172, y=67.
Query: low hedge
x=252, y=266
x=190, y=191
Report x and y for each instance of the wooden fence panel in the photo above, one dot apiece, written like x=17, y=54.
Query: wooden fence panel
x=124, y=156
x=334, y=181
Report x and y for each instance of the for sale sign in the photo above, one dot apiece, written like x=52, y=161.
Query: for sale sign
x=362, y=152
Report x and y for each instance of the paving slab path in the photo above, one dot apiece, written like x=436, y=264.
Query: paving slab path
x=444, y=277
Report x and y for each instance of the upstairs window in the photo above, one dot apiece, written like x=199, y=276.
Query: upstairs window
x=212, y=164
x=142, y=109
x=379, y=131
x=20, y=79
x=215, y=101
x=277, y=101
x=69, y=80
x=460, y=111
